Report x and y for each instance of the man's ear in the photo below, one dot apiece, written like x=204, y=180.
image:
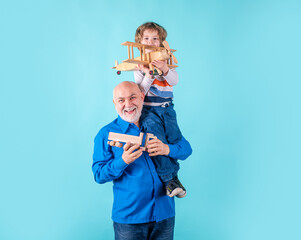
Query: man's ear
x=143, y=95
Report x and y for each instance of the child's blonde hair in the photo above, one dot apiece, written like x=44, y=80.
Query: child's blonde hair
x=151, y=26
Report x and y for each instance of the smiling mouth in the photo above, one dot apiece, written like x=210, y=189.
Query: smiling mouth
x=130, y=111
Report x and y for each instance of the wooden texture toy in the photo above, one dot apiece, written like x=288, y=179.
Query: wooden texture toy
x=116, y=138
x=157, y=53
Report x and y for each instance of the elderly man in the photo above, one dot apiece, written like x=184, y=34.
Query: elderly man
x=141, y=208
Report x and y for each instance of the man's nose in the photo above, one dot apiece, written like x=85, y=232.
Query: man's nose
x=128, y=103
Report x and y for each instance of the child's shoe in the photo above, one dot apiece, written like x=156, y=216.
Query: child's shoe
x=175, y=188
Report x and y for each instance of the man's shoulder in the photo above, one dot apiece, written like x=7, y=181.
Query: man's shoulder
x=111, y=127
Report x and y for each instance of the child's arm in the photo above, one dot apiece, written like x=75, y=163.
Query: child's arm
x=143, y=81
x=170, y=75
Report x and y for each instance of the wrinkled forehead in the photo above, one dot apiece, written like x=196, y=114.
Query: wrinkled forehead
x=126, y=90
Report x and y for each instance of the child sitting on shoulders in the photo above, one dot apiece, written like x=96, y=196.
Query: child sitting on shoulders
x=158, y=114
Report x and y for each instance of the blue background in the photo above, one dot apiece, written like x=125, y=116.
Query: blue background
x=237, y=102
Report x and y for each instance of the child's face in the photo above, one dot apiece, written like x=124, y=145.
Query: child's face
x=151, y=37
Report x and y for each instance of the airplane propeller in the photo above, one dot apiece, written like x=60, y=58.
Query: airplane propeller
x=166, y=45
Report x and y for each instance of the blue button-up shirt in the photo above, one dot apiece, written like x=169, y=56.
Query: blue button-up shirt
x=139, y=195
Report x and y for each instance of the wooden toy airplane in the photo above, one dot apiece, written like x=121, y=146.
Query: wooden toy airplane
x=158, y=53
x=116, y=138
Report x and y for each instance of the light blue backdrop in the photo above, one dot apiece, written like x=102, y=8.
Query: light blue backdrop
x=237, y=103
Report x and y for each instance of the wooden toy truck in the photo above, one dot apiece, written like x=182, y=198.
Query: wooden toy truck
x=116, y=138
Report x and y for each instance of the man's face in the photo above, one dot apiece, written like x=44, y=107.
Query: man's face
x=128, y=100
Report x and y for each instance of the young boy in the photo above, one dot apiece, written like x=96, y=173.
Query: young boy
x=158, y=115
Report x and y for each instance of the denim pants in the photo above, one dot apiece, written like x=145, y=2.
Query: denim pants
x=162, y=230
x=162, y=122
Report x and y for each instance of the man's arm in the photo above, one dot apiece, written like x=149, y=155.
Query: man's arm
x=107, y=167
x=180, y=150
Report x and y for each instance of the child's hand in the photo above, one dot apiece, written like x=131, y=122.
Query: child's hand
x=161, y=65
x=144, y=69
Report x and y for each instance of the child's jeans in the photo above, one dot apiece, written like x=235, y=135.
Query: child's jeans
x=162, y=122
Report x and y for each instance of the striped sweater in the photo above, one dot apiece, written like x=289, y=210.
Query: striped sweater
x=157, y=90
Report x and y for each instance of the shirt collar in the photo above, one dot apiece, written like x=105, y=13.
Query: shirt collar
x=124, y=125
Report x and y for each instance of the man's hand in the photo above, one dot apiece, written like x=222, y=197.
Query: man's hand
x=129, y=154
x=161, y=65
x=156, y=147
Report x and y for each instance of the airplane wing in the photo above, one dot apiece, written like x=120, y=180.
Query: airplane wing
x=125, y=66
x=139, y=45
x=130, y=64
x=136, y=61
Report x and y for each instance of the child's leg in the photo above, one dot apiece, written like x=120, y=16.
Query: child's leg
x=172, y=130
x=152, y=122
x=163, y=124
x=173, y=135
